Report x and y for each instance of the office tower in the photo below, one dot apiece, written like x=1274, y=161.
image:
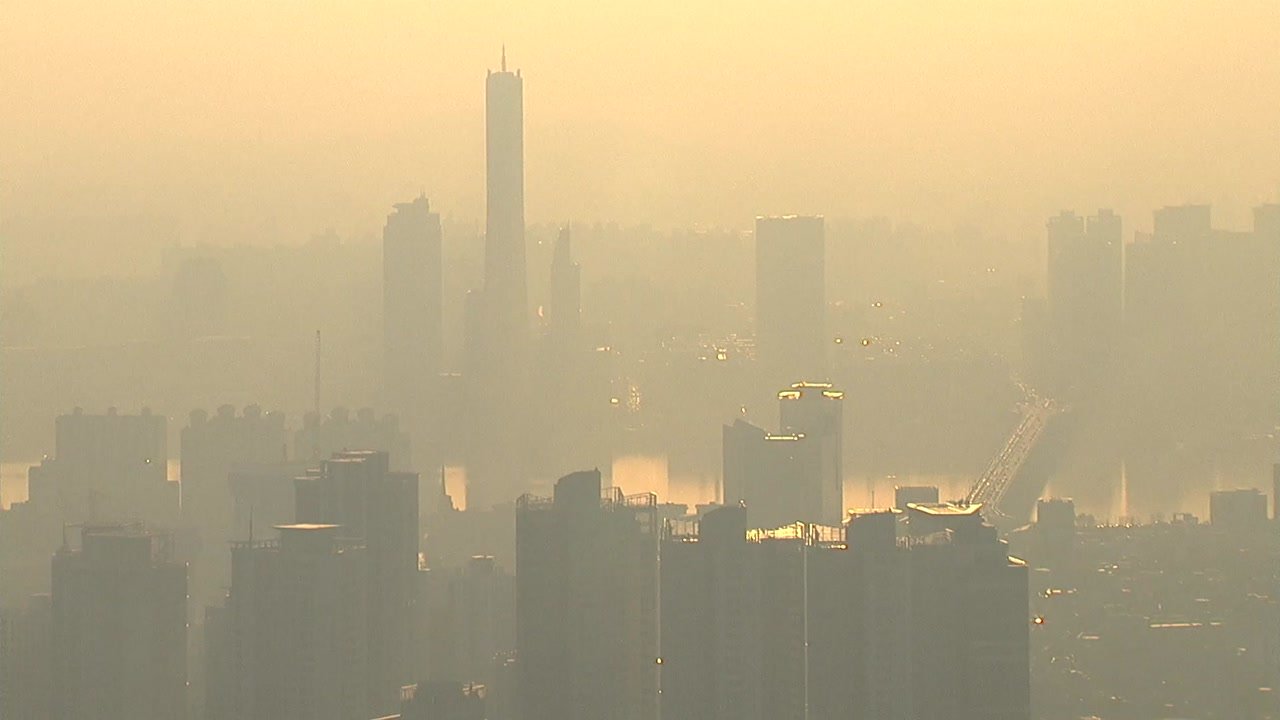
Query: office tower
x=816, y=411
x=338, y=431
x=1085, y=297
x=967, y=626
x=1238, y=510
x=412, y=279
x=791, y=297
x=291, y=641
x=498, y=316
x=779, y=476
x=586, y=602
x=357, y=491
x=107, y=467
x=468, y=620
x=119, y=626
x=26, y=682
x=566, y=294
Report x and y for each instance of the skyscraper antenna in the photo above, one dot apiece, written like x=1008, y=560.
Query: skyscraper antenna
x=316, y=396
x=504, y=57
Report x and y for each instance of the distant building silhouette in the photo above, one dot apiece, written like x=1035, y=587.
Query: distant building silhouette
x=119, y=626
x=108, y=466
x=791, y=304
x=339, y=431
x=498, y=315
x=1242, y=510
x=1086, y=300
x=412, y=297
x=587, y=595
x=565, y=308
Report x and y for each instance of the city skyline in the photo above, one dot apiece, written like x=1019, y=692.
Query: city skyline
x=911, y=363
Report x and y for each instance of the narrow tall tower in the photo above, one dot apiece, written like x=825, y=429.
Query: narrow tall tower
x=504, y=252
x=498, y=335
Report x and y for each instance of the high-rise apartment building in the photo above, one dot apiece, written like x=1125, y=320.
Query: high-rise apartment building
x=586, y=603
x=357, y=491
x=1085, y=300
x=809, y=621
x=119, y=626
x=291, y=643
x=107, y=467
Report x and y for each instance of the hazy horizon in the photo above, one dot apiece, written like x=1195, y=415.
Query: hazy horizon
x=233, y=122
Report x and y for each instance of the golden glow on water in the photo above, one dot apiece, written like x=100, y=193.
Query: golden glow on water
x=455, y=484
x=13, y=483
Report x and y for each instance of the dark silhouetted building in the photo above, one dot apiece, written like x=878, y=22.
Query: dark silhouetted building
x=1238, y=510
x=779, y=476
x=586, y=603
x=357, y=491
x=791, y=297
x=815, y=621
x=119, y=641
x=816, y=411
x=291, y=642
x=468, y=620
x=905, y=494
x=26, y=661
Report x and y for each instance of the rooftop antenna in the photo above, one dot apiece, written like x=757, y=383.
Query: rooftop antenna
x=315, y=440
x=316, y=396
x=504, y=57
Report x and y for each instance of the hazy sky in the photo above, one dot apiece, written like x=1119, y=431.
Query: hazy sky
x=250, y=120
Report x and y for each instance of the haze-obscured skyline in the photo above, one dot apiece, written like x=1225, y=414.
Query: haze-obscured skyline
x=235, y=122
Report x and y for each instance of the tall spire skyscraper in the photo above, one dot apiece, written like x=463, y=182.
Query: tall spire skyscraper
x=499, y=332
x=504, y=253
